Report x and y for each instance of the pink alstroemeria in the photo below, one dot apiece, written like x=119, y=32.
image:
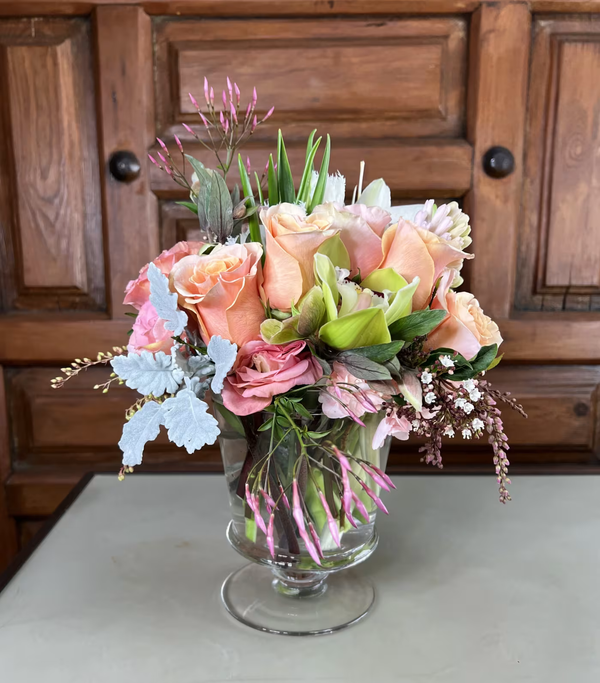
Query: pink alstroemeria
x=299, y=517
x=315, y=537
x=189, y=130
x=224, y=100
x=376, y=499
x=255, y=507
x=286, y=502
x=178, y=142
x=360, y=506
x=331, y=523
x=375, y=476
x=383, y=475
x=270, y=538
x=347, y=493
x=212, y=97
x=205, y=90
x=268, y=500
x=248, y=109
x=254, y=98
x=238, y=95
x=230, y=88
x=193, y=100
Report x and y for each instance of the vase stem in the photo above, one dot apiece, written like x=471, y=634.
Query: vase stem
x=299, y=585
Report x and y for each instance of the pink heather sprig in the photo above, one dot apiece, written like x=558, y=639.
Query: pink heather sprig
x=465, y=407
x=168, y=164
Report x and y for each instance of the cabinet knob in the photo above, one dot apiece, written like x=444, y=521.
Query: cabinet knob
x=498, y=162
x=124, y=166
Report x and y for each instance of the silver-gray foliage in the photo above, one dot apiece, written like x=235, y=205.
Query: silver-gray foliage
x=148, y=373
x=144, y=426
x=188, y=423
x=165, y=301
x=223, y=353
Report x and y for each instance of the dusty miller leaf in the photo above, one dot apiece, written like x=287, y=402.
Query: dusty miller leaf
x=144, y=426
x=148, y=373
x=165, y=301
x=223, y=353
x=188, y=422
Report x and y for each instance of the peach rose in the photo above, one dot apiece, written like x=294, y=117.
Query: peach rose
x=467, y=328
x=222, y=289
x=149, y=333
x=138, y=291
x=263, y=370
x=412, y=251
x=292, y=240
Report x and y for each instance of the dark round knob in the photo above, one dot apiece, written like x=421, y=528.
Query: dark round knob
x=498, y=162
x=124, y=166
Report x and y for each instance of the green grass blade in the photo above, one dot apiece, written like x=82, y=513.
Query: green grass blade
x=273, y=184
x=284, y=172
x=304, y=189
x=319, y=192
x=249, y=195
x=261, y=199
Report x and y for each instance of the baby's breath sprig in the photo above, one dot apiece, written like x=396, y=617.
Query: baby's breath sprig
x=78, y=365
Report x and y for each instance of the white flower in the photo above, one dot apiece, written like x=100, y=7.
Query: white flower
x=475, y=395
x=449, y=431
x=446, y=361
x=468, y=407
x=341, y=274
x=430, y=397
x=460, y=402
x=426, y=377
x=416, y=424
x=469, y=384
x=466, y=433
x=477, y=424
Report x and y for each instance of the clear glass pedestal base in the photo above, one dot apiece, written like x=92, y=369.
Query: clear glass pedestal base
x=298, y=605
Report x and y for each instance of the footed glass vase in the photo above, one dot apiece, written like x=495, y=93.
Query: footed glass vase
x=303, y=512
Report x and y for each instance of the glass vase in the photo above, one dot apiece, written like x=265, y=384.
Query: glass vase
x=284, y=590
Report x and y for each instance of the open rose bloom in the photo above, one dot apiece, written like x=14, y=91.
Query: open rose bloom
x=319, y=327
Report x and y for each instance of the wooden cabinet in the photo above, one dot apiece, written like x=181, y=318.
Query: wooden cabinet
x=419, y=90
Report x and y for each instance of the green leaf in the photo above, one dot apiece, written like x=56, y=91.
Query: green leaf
x=476, y=365
x=250, y=203
x=319, y=192
x=198, y=166
x=495, y=362
x=215, y=209
x=284, y=173
x=362, y=328
x=261, y=199
x=325, y=276
x=272, y=183
x=301, y=410
x=380, y=353
x=362, y=367
x=189, y=205
x=384, y=278
x=265, y=426
x=131, y=315
x=401, y=305
x=231, y=418
x=416, y=324
x=336, y=251
x=304, y=189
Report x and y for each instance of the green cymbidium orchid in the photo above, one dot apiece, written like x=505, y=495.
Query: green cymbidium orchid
x=300, y=326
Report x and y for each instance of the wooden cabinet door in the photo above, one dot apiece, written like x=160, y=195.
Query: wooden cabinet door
x=73, y=91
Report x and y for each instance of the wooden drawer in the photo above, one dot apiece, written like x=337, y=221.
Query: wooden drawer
x=389, y=91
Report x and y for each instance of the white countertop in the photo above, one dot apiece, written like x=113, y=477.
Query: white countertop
x=126, y=588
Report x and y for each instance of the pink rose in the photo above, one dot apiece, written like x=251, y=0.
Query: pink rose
x=149, y=332
x=292, y=240
x=391, y=425
x=263, y=370
x=466, y=329
x=412, y=251
x=138, y=291
x=223, y=290
x=348, y=396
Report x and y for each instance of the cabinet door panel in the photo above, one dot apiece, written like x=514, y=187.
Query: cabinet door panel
x=50, y=218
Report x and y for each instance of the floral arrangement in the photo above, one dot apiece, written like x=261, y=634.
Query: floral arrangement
x=305, y=318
